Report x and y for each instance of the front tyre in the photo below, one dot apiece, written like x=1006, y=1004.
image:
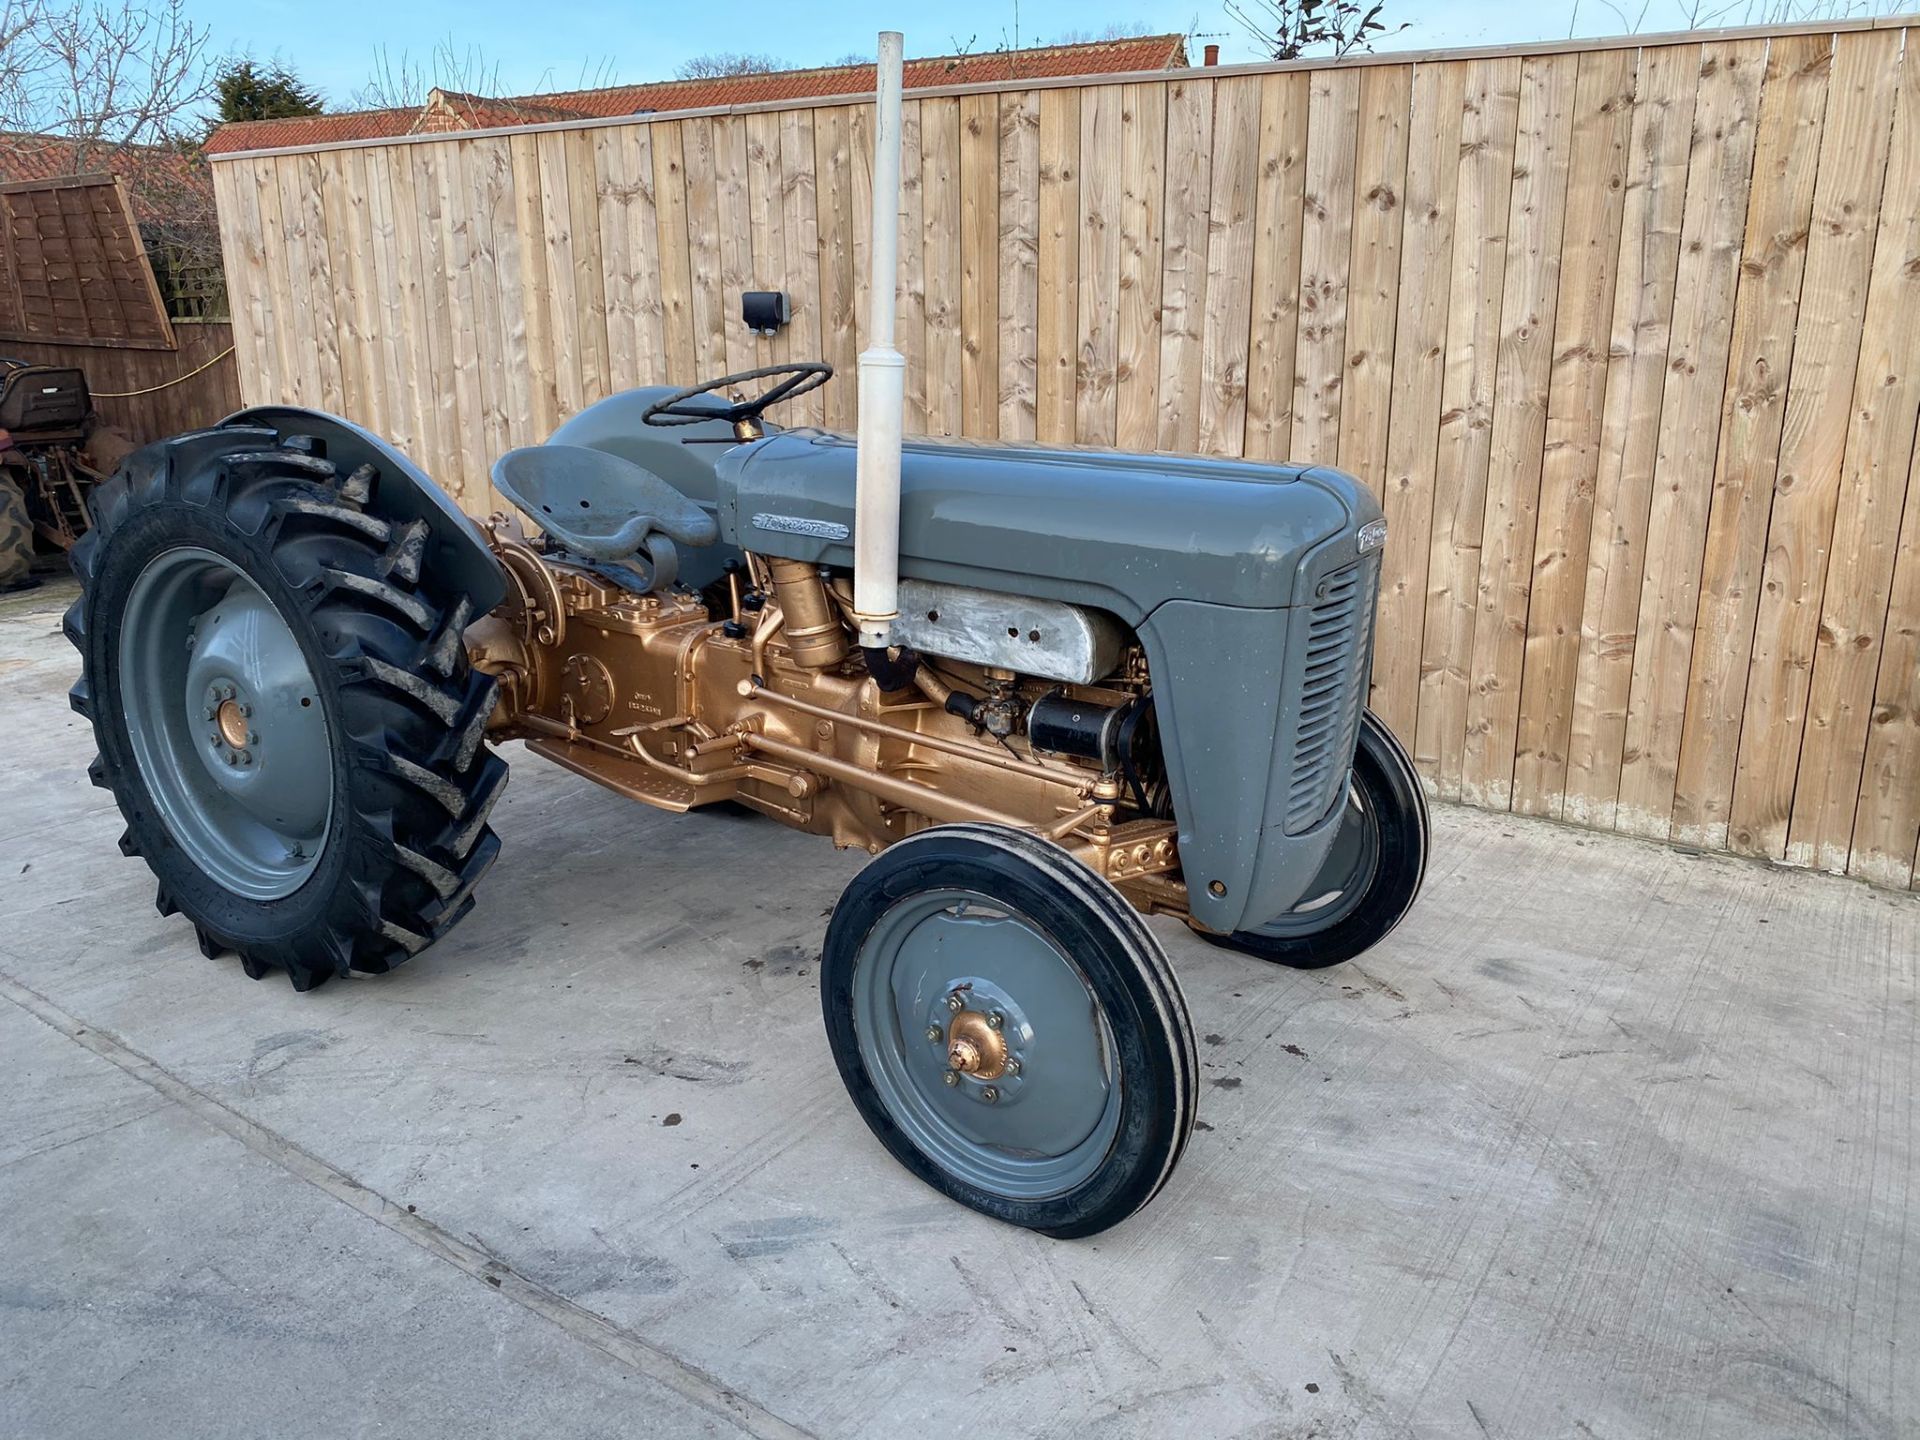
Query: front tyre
x=1371, y=876
x=1009, y=1029
x=283, y=705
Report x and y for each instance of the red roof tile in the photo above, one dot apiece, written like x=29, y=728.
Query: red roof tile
x=160, y=180
x=450, y=111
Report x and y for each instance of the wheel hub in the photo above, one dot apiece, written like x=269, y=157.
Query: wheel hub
x=976, y=1045
x=231, y=717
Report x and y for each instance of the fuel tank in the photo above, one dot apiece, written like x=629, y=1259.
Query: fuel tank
x=1122, y=531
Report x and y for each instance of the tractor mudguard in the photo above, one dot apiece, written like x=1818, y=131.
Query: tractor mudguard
x=456, y=550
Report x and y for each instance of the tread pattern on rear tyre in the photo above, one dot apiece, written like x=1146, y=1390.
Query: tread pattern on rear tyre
x=408, y=714
x=16, y=534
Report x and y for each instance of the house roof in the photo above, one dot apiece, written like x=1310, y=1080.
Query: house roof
x=164, y=183
x=453, y=111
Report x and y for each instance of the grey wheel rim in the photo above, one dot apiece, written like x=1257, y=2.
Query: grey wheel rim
x=1343, y=880
x=944, y=962
x=226, y=725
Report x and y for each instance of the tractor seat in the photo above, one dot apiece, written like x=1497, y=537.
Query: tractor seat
x=604, y=507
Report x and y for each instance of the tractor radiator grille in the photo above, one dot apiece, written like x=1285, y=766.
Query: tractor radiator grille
x=1336, y=638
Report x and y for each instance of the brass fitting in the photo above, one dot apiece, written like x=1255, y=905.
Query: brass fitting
x=815, y=636
x=975, y=1046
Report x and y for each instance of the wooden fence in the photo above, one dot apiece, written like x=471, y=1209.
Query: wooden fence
x=141, y=392
x=1622, y=333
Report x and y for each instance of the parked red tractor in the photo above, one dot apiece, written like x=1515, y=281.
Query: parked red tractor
x=53, y=449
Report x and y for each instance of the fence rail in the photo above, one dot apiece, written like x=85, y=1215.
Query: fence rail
x=1621, y=334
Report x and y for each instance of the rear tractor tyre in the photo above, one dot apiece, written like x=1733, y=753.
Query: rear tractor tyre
x=283, y=705
x=1371, y=877
x=16, y=537
x=1009, y=1029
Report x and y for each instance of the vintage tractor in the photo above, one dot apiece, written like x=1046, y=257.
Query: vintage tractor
x=53, y=450
x=1052, y=691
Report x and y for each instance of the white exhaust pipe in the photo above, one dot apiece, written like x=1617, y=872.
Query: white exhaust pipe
x=883, y=380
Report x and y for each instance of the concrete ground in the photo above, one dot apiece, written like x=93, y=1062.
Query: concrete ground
x=1607, y=1141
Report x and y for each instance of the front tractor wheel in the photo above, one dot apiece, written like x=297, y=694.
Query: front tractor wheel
x=1008, y=1028
x=283, y=705
x=1370, y=877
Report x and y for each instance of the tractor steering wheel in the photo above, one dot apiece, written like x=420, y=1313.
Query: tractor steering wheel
x=800, y=380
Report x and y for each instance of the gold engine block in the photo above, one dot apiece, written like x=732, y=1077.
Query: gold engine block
x=653, y=697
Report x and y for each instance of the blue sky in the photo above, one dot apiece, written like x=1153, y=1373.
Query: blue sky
x=549, y=47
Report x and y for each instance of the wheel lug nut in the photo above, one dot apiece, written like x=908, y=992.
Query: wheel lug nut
x=995, y=1020
x=935, y=1034
x=209, y=713
x=243, y=758
x=1012, y=1066
x=953, y=1077
x=989, y=1095
x=954, y=1002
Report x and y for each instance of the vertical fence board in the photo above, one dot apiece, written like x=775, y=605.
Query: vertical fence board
x=1629, y=428
x=1228, y=311
x=1523, y=374
x=800, y=241
x=1326, y=251
x=707, y=301
x=1489, y=115
x=589, y=269
x=911, y=321
x=1793, y=105
x=488, y=180
x=1136, y=375
x=465, y=440
x=1183, y=276
x=1373, y=287
x=1419, y=366
x=732, y=205
x=940, y=177
x=1596, y=194
x=676, y=281
x=832, y=140
x=1886, y=830
x=1860, y=563
x=1697, y=345
x=1101, y=201
x=1019, y=245
x=860, y=123
x=538, y=395
x=295, y=276
x=1806, y=490
x=1058, y=323
x=630, y=231
x=1277, y=224
x=979, y=265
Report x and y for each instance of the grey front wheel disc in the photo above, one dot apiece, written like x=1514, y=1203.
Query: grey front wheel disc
x=986, y=1045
